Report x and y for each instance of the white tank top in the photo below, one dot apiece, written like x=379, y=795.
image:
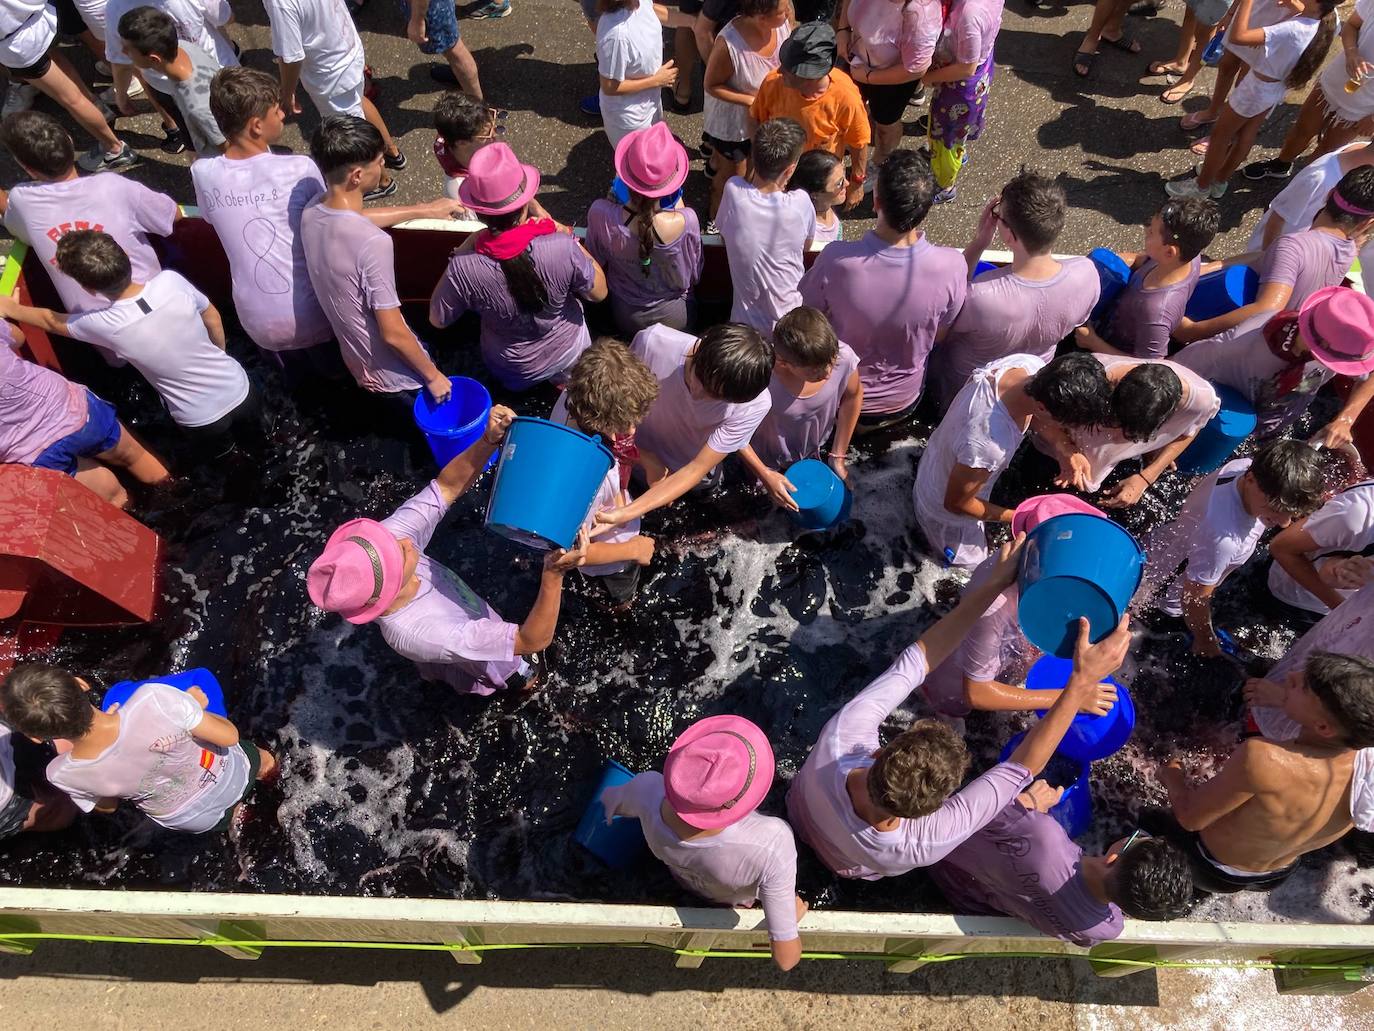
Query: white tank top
x=731, y=122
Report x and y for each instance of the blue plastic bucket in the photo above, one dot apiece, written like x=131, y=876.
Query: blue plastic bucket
x=821, y=496
x=545, y=483
x=1089, y=737
x=1076, y=565
x=1211, y=57
x=1222, y=291
x=1224, y=432
x=1112, y=274
x=201, y=678
x=983, y=266
x=1074, y=810
x=454, y=426
x=619, y=844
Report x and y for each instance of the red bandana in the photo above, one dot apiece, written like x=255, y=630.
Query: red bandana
x=515, y=240
x=1281, y=335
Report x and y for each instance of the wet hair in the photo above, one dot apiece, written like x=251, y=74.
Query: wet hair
x=238, y=95
x=94, y=260
x=522, y=278
x=1315, y=55
x=609, y=389
x=814, y=167
x=733, y=362
x=1033, y=207
x=642, y=210
x=1290, y=474
x=1344, y=684
x=150, y=31
x=608, y=6
x=459, y=117
x=804, y=338
x=1190, y=224
x=777, y=143
x=915, y=772
x=45, y=702
x=343, y=142
x=1144, y=399
x=905, y=189
x=1074, y=389
x=39, y=143
x=1356, y=188
x=1152, y=880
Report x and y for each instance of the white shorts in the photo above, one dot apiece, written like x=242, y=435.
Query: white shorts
x=341, y=99
x=27, y=45
x=93, y=14
x=1255, y=96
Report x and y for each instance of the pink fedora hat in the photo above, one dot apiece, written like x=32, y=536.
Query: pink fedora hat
x=718, y=772
x=1034, y=511
x=1338, y=324
x=651, y=161
x=497, y=182
x=359, y=572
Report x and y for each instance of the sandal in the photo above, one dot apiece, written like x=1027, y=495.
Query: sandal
x=1164, y=68
x=1083, y=64
x=1194, y=120
x=1173, y=95
x=1125, y=42
x=1199, y=147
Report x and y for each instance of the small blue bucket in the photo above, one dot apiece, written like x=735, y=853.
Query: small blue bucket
x=1112, y=274
x=1076, y=565
x=1074, y=810
x=1222, y=291
x=454, y=426
x=1211, y=57
x=1089, y=737
x=619, y=844
x=545, y=483
x=202, y=678
x=822, y=498
x=1224, y=432
x=984, y=266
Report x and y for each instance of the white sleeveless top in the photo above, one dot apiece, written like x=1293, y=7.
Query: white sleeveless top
x=731, y=122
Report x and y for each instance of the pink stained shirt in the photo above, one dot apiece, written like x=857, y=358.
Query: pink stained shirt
x=970, y=31
x=887, y=33
x=820, y=809
x=1307, y=262
x=765, y=237
x=994, y=645
x=38, y=407
x=1145, y=317
x=796, y=427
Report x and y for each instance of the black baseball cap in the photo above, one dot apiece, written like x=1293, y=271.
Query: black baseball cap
x=809, y=53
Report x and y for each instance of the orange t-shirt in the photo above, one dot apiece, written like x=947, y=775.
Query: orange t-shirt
x=834, y=121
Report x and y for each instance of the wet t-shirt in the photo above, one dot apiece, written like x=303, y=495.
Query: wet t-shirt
x=1145, y=317
x=753, y=859
x=765, y=236
x=797, y=427
x=608, y=496
x=820, y=809
x=994, y=645
x=38, y=407
x=1307, y=262
x=1344, y=526
x=192, y=96
x=446, y=630
x=673, y=268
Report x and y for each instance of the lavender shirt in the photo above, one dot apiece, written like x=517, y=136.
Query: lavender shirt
x=765, y=236
x=446, y=629
x=674, y=268
x=823, y=815
x=888, y=303
x=995, y=643
x=796, y=427
x=38, y=407
x=755, y=858
x=1307, y=262
x=1024, y=865
x=1145, y=317
x=519, y=348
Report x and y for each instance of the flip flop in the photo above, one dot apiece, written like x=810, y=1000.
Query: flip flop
x=1084, y=61
x=1173, y=96
x=1164, y=68
x=1125, y=42
x=1199, y=147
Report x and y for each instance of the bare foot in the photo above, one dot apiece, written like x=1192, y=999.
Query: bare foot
x=1177, y=92
x=269, y=767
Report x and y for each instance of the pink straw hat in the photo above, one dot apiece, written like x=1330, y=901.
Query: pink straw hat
x=358, y=575
x=1034, y=511
x=651, y=161
x=1337, y=323
x=497, y=182
x=718, y=772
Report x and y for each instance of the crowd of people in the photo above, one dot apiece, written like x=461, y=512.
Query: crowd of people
x=801, y=122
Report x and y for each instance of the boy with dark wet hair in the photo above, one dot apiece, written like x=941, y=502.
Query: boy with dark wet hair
x=179, y=70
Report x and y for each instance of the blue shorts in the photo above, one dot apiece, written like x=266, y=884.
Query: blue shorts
x=441, y=26
x=100, y=433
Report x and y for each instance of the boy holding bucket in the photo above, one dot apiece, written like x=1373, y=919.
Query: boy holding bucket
x=378, y=572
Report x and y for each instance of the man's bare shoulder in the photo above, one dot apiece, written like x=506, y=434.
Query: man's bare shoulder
x=1276, y=765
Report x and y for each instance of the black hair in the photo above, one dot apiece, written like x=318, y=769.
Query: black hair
x=753, y=8
x=45, y=702
x=1315, y=53
x=459, y=116
x=804, y=337
x=777, y=143
x=1356, y=188
x=1144, y=399
x=905, y=189
x=1033, y=207
x=1190, y=224
x=1152, y=880
x=39, y=143
x=1290, y=473
x=1074, y=390
x=522, y=278
x=1344, y=684
x=343, y=142
x=733, y=362
x=95, y=260
x=813, y=169
x=150, y=31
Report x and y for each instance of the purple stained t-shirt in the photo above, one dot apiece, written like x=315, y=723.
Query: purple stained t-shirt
x=40, y=214
x=520, y=348
x=753, y=859
x=765, y=236
x=1307, y=262
x=888, y=303
x=994, y=645
x=1145, y=317
x=1024, y=865
x=673, y=268
x=796, y=427
x=38, y=407
x=679, y=425
x=449, y=632
x=820, y=809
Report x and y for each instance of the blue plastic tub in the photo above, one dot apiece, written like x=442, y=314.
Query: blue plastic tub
x=454, y=426
x=201, y=678
x=822, y=498
x=1089, y=737
x=1224, y=432
x=1113, y=274
x=1076, y=565
x=1074, y=810
x=983, y=266
x=619, y=844
x=545, y=483
x=1222, y=291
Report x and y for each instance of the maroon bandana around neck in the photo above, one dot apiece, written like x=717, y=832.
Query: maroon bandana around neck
x=626, y=455
x=1281, y=336
x=506, y=245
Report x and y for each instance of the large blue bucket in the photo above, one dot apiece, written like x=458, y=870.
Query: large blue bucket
x=1076, y=565
x=454, y=426
x=545, y=483
x=822, y=498
x=1222, y=291
x=1113, y=274
x=1074, y=810
x=201, y=678
x=1224, y=432
x=619, y=844
x=1089, y=737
